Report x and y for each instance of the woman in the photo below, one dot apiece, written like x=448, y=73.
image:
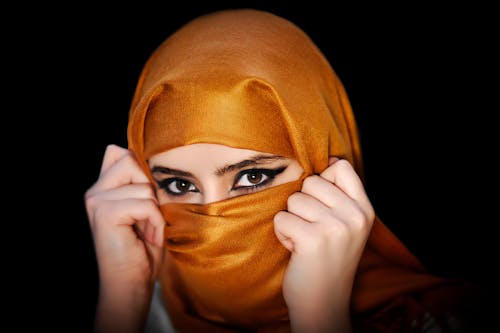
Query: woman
x=241, y=193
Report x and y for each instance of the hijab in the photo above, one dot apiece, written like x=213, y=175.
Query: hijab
x=250, y=79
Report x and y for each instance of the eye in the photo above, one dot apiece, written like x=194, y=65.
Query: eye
x=251, y=178
x=255, y=178
x=177, y=186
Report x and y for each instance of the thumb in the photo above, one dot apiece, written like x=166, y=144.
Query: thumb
x=289, y=229
x=332, y=159
x=155, y=254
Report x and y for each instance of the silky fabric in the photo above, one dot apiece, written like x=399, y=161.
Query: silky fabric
x=250, y=79
x=226, y=258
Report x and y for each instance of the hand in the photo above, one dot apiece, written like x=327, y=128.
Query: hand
x=127, y=227
x=325, y=228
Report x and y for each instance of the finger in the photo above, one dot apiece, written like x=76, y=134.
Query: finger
x=308, y=208
x=342, y=210
x=159, y=235
x=131, y=191
x=289, y=229
x=342, y=174
x=325, y=191
x=112, y=154
x=122, y=172
x=153, y=234
x=332, y=159
x=139, y=228
x=155, y=254
x=150, y=231
x=129, y=212
x=147, y=231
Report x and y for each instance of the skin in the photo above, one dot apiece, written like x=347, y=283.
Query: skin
x=325, y=227
x=217, y=177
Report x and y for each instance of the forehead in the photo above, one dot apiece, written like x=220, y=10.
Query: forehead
x=204, y=155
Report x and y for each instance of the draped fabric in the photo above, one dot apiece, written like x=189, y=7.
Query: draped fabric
x=250, y=79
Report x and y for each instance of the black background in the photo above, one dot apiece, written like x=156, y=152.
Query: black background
x=417, y=76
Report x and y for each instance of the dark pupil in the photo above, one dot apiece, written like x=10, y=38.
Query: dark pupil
x=182, y=185
x=254, y=177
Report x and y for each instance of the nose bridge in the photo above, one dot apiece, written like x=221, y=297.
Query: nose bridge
x=214, y=190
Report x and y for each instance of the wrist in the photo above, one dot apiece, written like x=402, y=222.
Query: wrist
x=122, y=307
x=322, y=314
x=321, y=320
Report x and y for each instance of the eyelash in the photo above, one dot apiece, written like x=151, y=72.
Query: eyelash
x=269, y=173
x=165, y=185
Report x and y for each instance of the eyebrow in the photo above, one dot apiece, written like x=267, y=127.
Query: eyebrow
x=173, y=172
x=254, y=160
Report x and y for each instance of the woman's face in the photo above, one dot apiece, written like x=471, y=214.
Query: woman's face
x=203, y=173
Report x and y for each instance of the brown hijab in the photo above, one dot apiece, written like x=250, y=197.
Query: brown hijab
x=250, y=79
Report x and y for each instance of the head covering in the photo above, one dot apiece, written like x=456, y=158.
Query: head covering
x=250, y=79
